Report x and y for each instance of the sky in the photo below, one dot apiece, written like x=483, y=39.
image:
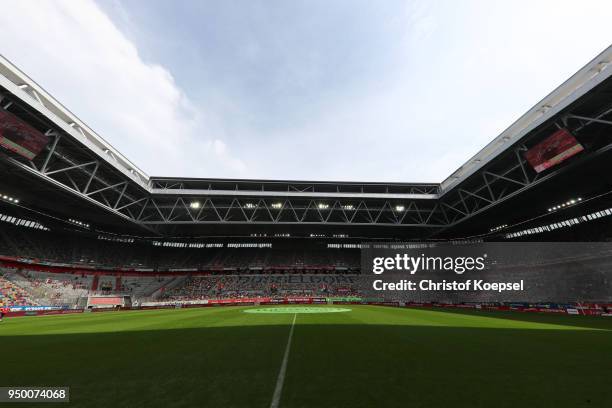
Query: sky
x=395, y=91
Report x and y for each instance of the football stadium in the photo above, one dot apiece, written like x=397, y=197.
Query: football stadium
x=122, y=289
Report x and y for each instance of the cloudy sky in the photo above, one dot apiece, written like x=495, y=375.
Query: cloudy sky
x=289, y=89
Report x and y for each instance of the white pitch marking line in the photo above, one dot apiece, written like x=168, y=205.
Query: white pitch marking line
x=283, y=370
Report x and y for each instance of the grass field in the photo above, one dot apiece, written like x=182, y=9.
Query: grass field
x=368, y=357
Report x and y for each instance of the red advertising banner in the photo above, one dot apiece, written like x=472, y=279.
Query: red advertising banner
x=19, y=137
x=558, y=147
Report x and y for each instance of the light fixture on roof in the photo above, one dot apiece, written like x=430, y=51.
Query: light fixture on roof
x=323, y=206
x=10, y=199
x=399, y=208
x=277, y=206
x=79, y=223
x=194, y=205
x=348, y=207
x=568, y=203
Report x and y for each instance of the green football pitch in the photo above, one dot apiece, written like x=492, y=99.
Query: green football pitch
x=368, y=356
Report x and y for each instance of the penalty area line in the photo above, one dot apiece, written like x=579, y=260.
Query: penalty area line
x=278, y=390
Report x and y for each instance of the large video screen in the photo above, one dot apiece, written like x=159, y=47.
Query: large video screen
x=19, y=137
x=558, y=147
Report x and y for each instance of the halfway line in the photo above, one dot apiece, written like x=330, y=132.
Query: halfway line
x=283, y=370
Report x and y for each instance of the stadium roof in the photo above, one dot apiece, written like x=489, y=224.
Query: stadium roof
x=80, y=162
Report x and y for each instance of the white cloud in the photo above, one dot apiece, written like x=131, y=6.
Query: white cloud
x=424, y=88
x=76, y=52
x=462, y=73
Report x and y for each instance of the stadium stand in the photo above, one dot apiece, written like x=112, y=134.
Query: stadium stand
x=241, y=286
x=52, y=288
x=12, y=294
x=232, y=273
x=78, y=249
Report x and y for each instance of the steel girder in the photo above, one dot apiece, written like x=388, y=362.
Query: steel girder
x=291, y=187
x=511, y=175
x=68, y=163
x=80, y=172
x=216, y=210
x=85, y=176
x=256, y=202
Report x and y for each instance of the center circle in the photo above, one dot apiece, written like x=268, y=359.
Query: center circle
x=296, y=310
